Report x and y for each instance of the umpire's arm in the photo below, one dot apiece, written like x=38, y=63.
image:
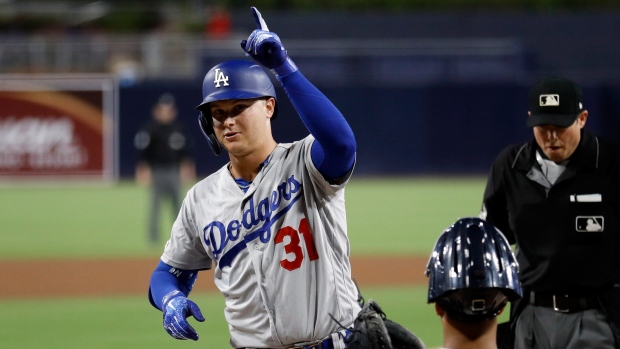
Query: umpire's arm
x=494, y=206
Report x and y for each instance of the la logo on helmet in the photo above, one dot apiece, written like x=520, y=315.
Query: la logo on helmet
x=220, y=78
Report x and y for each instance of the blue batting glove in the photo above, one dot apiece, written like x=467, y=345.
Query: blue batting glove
x=266, y=48
x=177, y=308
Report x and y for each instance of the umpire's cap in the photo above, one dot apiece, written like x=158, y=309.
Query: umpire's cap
x=554, y=101
x=472, y=271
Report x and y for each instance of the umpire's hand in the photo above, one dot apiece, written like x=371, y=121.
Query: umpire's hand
x=266, y=48
x=177, y=308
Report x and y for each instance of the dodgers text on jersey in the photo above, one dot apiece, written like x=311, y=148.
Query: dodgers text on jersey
x=219, y=234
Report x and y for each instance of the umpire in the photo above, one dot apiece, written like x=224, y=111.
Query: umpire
x=164, y=160
x=557, y=198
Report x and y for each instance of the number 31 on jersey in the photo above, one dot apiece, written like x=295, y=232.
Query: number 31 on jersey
x=293, y=246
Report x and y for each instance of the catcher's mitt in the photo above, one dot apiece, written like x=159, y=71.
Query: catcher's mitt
x=372, y=330
x=369, y=331
x=401, y=337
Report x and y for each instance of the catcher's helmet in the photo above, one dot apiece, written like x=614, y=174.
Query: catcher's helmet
x=235, y=79
x=472, y=271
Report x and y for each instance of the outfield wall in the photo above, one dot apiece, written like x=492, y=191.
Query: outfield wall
x=427, y=129
x=425, y=92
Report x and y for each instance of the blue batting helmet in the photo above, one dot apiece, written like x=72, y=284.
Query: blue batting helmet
x=472, y=271
x=235, y=79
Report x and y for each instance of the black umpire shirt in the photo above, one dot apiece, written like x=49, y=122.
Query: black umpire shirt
x=567, y=235
x=162, y=144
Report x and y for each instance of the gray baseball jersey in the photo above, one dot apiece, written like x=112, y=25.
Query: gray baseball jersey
x=281, y=249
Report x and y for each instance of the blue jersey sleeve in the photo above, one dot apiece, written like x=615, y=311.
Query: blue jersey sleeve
x=333, y=152
x=166, y=279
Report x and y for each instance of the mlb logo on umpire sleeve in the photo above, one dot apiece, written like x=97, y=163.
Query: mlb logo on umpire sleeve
x=589, y=223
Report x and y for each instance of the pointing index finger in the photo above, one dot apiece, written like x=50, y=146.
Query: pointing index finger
x=260, y=22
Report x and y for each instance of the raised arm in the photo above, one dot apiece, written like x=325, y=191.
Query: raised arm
x=333, y=152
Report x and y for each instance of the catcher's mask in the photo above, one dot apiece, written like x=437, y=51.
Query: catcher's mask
x=235, y=79
x=472, y=271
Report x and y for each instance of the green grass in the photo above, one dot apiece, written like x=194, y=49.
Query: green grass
x=385, y=216
x=406, y=216
x=93, y=323
x=76, y=221
x=130, y=322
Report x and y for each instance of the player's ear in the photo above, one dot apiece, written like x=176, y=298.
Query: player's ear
x=270, y=105
x=438, y=309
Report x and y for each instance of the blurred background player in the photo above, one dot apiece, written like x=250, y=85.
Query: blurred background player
x=557, y=198
x=164, y=163
x=472, y=274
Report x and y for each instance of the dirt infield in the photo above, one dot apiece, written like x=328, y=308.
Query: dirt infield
x=101, y=277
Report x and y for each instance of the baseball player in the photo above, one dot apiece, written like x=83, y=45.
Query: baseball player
x=472, y=276
x=273, y=219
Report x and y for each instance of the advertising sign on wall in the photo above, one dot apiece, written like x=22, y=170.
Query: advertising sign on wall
x=58, y=127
